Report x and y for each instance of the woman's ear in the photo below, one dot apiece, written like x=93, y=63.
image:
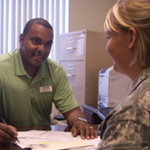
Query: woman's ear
x=133, y=36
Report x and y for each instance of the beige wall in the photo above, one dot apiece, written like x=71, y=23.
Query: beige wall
x=88, y=14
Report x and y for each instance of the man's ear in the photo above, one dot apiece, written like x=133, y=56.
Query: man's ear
x=133, y=36
x=21, y=38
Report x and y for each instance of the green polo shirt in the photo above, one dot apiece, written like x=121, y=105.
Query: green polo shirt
x=28, y=101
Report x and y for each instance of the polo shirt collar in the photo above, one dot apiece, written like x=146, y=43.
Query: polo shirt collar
x=18, y=64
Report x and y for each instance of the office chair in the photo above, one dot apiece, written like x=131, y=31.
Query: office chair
x=95, y=116
x=57, y=119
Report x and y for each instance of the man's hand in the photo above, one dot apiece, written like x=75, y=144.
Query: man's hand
x=79, y=127
x=84, y=129
x=8, y=134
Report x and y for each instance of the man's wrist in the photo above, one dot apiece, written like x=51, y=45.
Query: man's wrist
x=81, y=119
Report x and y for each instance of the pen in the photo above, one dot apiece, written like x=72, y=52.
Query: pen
x=3, y=121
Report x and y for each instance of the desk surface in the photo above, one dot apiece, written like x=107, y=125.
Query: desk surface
x=64, y=128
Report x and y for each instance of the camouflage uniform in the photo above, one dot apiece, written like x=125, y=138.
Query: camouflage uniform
x=127, y=127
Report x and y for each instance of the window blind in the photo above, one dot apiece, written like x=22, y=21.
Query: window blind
x=15, y=13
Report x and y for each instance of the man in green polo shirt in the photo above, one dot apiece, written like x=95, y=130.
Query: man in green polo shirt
x=30, y=82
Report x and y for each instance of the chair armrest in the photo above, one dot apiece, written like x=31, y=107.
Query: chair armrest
x=91, y=114
x=90, y=108
x=59, y=117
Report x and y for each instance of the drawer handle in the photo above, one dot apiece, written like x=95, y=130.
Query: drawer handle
x=71, y=67
x=71, y=75
x=70, y=48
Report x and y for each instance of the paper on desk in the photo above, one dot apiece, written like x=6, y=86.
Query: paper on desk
x=53, y=140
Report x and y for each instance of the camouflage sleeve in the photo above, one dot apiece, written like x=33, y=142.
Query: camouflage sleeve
x=125, y=135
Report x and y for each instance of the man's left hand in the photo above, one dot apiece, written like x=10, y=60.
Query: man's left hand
x=85, y=130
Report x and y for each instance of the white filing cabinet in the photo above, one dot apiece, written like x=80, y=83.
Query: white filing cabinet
x=82, y=55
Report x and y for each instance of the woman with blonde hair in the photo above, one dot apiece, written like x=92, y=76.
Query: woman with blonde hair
x=127, y=26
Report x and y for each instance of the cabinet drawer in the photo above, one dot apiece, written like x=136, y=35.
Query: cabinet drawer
x=72, y=47
x=75, y=72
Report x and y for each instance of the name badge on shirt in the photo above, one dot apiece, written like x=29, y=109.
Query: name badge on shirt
x=45, y=89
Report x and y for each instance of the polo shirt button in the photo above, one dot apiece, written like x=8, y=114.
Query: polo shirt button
x=32, y=101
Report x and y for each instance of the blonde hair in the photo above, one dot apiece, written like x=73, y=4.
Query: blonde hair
x=133, y=13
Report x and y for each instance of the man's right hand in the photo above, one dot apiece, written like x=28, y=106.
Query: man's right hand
x=8, y=134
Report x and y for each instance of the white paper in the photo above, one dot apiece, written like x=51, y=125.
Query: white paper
x=54, y=140
x=80, y=47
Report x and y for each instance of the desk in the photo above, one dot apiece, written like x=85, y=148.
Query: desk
x=64, y=128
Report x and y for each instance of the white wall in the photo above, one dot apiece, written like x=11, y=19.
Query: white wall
x=88, y=14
